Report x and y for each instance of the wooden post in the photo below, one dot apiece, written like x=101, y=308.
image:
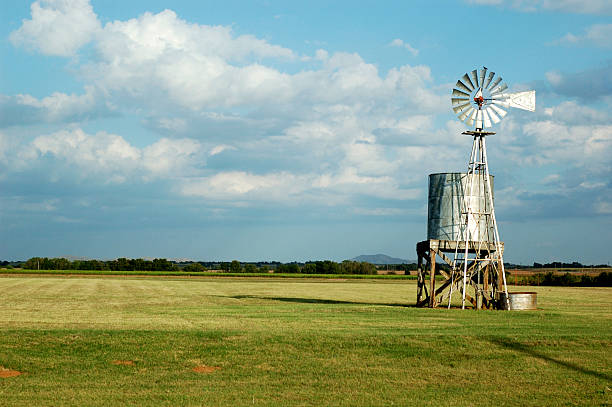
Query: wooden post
x=432, y=279
x=419, y=276
x=500, y=278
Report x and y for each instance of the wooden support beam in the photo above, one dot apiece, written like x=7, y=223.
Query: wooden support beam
x=500, y=279
x=443, y=286
x=419, y=276
x=432, y=279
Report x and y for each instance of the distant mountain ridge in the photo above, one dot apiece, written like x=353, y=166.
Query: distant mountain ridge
x=381, y=259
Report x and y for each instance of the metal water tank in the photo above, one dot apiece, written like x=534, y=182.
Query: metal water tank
x=518, y=301
x=445, y=207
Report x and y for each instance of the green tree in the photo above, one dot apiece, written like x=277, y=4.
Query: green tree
x=250, y=268
x=33, y=263
x=235, y=267
x=288, y=268
x=327, y=267
x=194, y=268
x=309, y=268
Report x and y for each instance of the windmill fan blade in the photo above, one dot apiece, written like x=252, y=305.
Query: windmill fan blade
x=466, y=80
x=458, y=101
x=486, y=120
x=522, y=100
x=483, y=72
x=465, y=114
x=493, y=116
x=461, y=107
x=461, y=86
x=457, y=92
x=488, y=81
x=501, y=112
x=479, y=119
x=475, y=77
x=495, y=82
x=470, y=121
x=499, y=89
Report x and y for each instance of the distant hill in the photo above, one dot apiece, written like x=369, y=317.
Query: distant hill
x=381, y=259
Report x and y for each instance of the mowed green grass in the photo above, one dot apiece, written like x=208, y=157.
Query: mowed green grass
x=294, y=342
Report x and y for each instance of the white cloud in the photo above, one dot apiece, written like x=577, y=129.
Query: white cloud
x=603, y=207
x=589, y=85
x=401, y=44
x=285, y=187
x=105, y=154
x=162, y=60
x=21, y=203
x=557, y=142
x=195, y=66
x=379, y=211
x=574, y=6
x=599, y=35
x=57, y=27
x=220, y=148
x=111, y=158
x=555, y=78
x=23, y=109
x=242, y=185
x=572, y=112
x=166, y=156
x=567, y=6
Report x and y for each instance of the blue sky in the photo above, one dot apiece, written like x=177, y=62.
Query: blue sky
x=273, y=130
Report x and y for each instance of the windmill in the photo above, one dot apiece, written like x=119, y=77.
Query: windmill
x=462, y=228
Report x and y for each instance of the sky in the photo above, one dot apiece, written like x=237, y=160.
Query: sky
x=294, y=131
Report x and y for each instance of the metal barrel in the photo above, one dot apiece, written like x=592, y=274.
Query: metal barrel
x=449, y=193
x=518, y=301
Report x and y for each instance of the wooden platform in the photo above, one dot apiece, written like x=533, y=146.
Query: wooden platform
x=428, y=295
x=451, y=246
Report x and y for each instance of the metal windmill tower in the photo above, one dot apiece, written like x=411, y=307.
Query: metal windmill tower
x=462, y=228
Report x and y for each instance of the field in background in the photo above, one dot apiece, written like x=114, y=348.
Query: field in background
x=575, y=270
x=169, y=341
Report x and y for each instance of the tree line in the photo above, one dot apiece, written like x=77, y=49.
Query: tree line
x=603, y=279
x=123, y=264
x=558, y=264
x=315, y=267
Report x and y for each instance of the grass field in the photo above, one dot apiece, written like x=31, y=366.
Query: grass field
x=223, y=341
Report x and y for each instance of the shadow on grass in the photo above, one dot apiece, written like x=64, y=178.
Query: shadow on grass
x=321, y=301
x=529, y=350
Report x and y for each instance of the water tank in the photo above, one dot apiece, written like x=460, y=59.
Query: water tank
x=445, y=206
x=519, y=301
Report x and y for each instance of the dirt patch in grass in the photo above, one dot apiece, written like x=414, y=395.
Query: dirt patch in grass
x=205, y=369
x=6, y=373
x=123, y=362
